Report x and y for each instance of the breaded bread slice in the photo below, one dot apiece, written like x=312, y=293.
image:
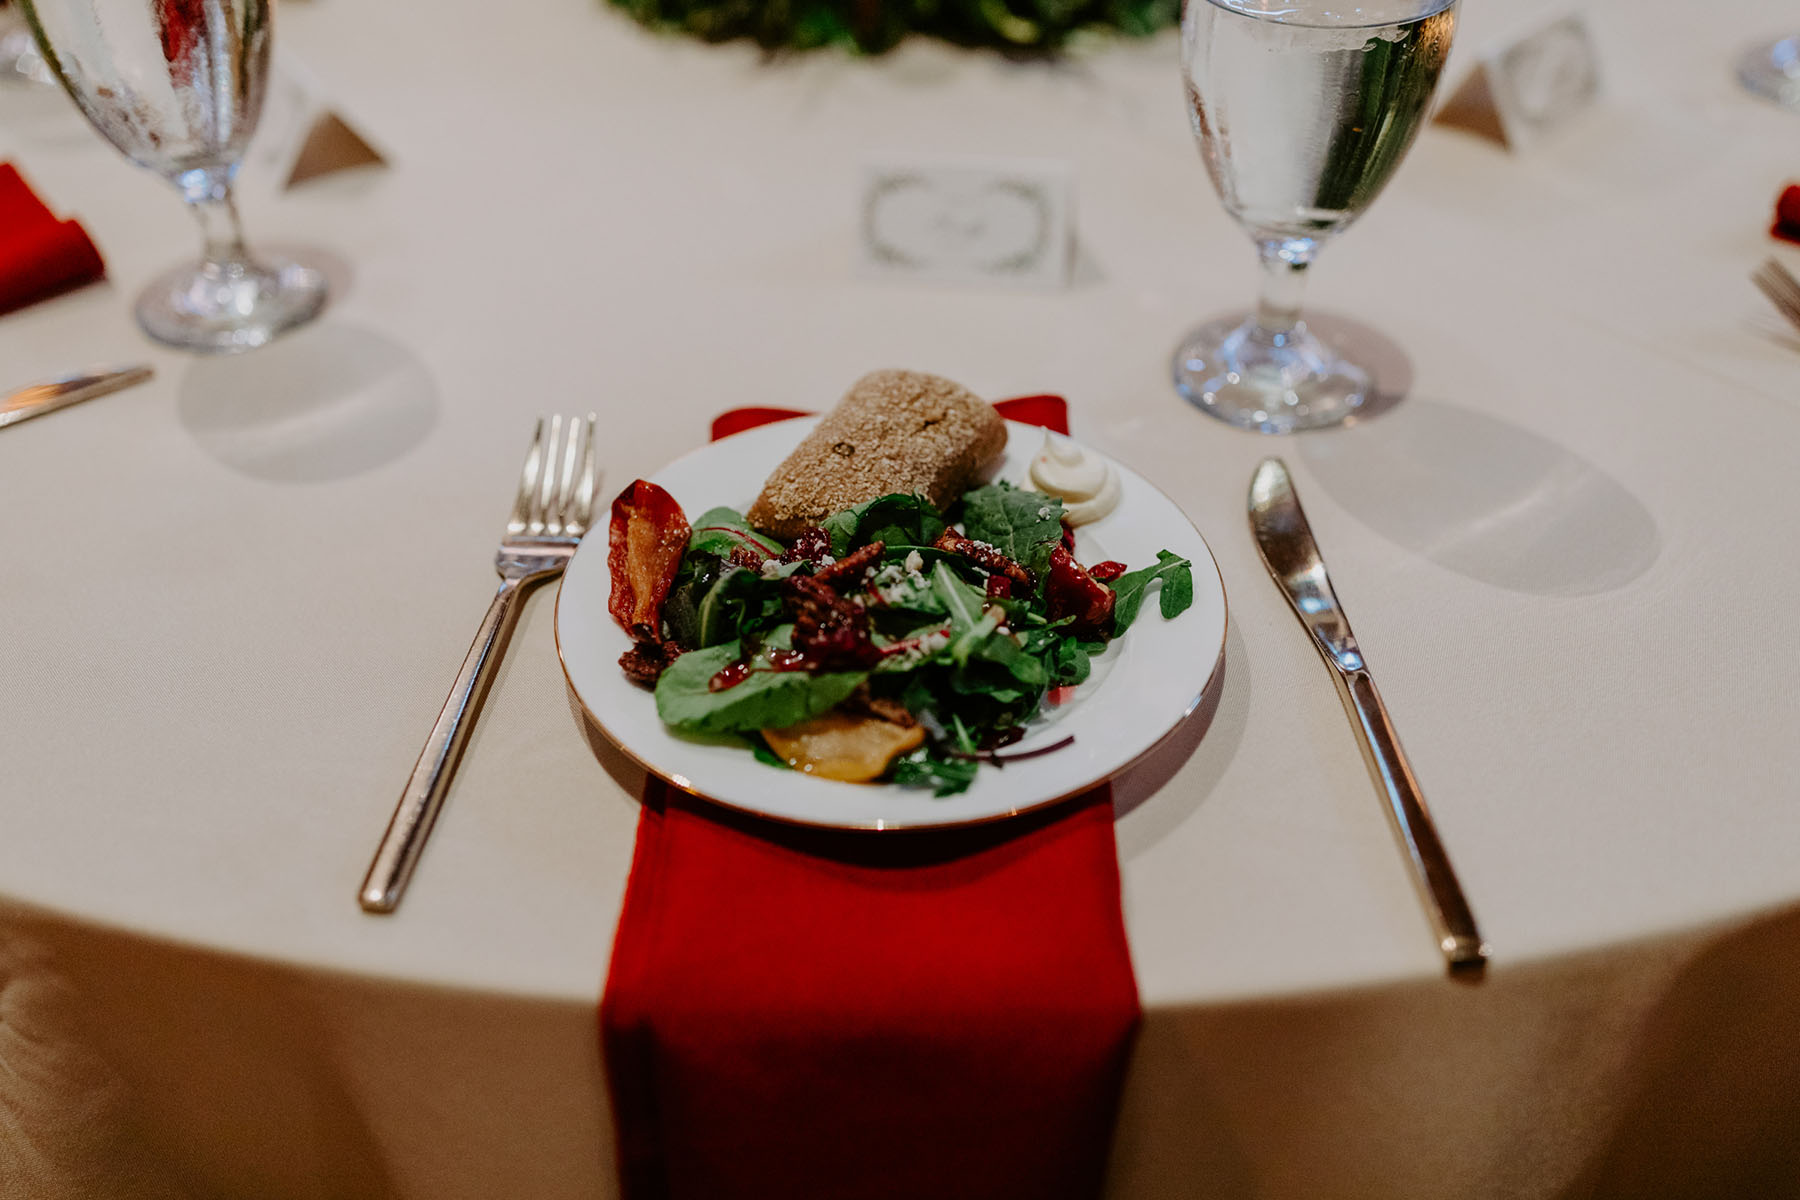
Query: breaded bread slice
x=895, y=431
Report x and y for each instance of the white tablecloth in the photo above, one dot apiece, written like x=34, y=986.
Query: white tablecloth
x=234, y=600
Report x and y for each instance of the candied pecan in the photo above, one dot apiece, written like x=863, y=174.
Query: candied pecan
x=830, y=632
x=988, y=558
x=862, y=703
x=1071, y=592
x=813, y=544
x=849, y=567
x=645, y=662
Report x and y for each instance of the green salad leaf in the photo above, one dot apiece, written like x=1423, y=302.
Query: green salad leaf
x=897, y=519
x=1177, y=575
x=927, y=767
x=721, y=530
x=1024, y=526
x=765, y=699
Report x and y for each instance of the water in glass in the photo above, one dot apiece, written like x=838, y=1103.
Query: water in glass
x=1303, y=110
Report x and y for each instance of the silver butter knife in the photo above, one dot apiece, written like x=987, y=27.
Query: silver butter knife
x=40, y=398
x=1286, y=543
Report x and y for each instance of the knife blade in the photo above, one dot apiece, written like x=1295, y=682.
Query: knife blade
x=1285, y=541
x=39, y=398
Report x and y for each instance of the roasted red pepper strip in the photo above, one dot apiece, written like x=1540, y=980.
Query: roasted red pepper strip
x=645, y=543
x=1071, y=592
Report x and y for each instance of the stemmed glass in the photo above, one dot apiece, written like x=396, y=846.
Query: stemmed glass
x=1303, y=109
x=176, y=86
x=1772, y=71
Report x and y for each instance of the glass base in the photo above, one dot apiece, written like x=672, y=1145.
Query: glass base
x=231, y=307
x=1772, y=70
x=20, y=61
x=1250, y=377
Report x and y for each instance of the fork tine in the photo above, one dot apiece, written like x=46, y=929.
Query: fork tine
x=528, y=479
x=540, y=503
x=1782, y=289
x=565, y=478
x=1784, y=281
x=585, y=489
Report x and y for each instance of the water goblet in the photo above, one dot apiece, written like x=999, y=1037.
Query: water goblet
x=176, y=86
x=1303, y=109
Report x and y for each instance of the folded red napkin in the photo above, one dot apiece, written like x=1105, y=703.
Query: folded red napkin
x=1787, y=214
x=805, y=1013
x=39, y=254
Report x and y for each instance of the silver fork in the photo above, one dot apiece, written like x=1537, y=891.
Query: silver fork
x=1780, y=286
x=555, y=507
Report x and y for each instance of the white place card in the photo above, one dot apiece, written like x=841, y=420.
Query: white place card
x=301, y=135
x=1530, y=86
x=970, y=221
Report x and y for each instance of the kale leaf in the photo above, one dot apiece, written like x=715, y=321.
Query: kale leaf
x=1024, y=526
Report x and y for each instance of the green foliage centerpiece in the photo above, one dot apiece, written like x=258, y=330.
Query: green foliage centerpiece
x=872, y=26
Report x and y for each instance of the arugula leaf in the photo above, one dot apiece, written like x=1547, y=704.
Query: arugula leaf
x=766, y=699
x=969, y=624
x=925, y=768
x=897, y=519
x=987, y=662
x=1177, y=577
x=721, y=530
x=1024, y=526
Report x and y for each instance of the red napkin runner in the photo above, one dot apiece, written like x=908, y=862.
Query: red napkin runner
x=1787, y=214
x=39, y=254
x=803, y=1013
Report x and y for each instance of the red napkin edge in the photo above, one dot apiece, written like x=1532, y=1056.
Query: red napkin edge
x=40, y=255
x=1787, y=215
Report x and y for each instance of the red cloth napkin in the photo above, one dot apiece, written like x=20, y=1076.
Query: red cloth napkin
x=39, y=254
x=801, y=1013
x=1787, y=215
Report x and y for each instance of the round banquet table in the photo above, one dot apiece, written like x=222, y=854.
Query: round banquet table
x=234, y=600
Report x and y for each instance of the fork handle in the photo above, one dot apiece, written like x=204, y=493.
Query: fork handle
x=424, y=794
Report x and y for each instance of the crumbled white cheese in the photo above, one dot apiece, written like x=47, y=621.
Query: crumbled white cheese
x=771, y=568
x=915, y=562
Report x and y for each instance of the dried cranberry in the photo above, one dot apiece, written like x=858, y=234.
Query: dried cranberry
x=1071, y=592
x=813, y=544
x=999, y=587
x=1107, y=571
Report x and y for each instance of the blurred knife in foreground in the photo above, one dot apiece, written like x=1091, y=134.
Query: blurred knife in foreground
x=40, y=398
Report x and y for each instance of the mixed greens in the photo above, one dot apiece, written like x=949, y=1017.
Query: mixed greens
x=886, y=622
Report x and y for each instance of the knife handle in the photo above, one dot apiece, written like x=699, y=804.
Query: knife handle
x=1459, y=939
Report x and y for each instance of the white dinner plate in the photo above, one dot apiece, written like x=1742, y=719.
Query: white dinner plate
x=1145, y=684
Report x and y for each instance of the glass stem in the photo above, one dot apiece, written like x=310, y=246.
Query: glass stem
x=1284, y=263
x=219, y=228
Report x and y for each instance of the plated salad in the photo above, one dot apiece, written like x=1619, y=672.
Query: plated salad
x=892, y=642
